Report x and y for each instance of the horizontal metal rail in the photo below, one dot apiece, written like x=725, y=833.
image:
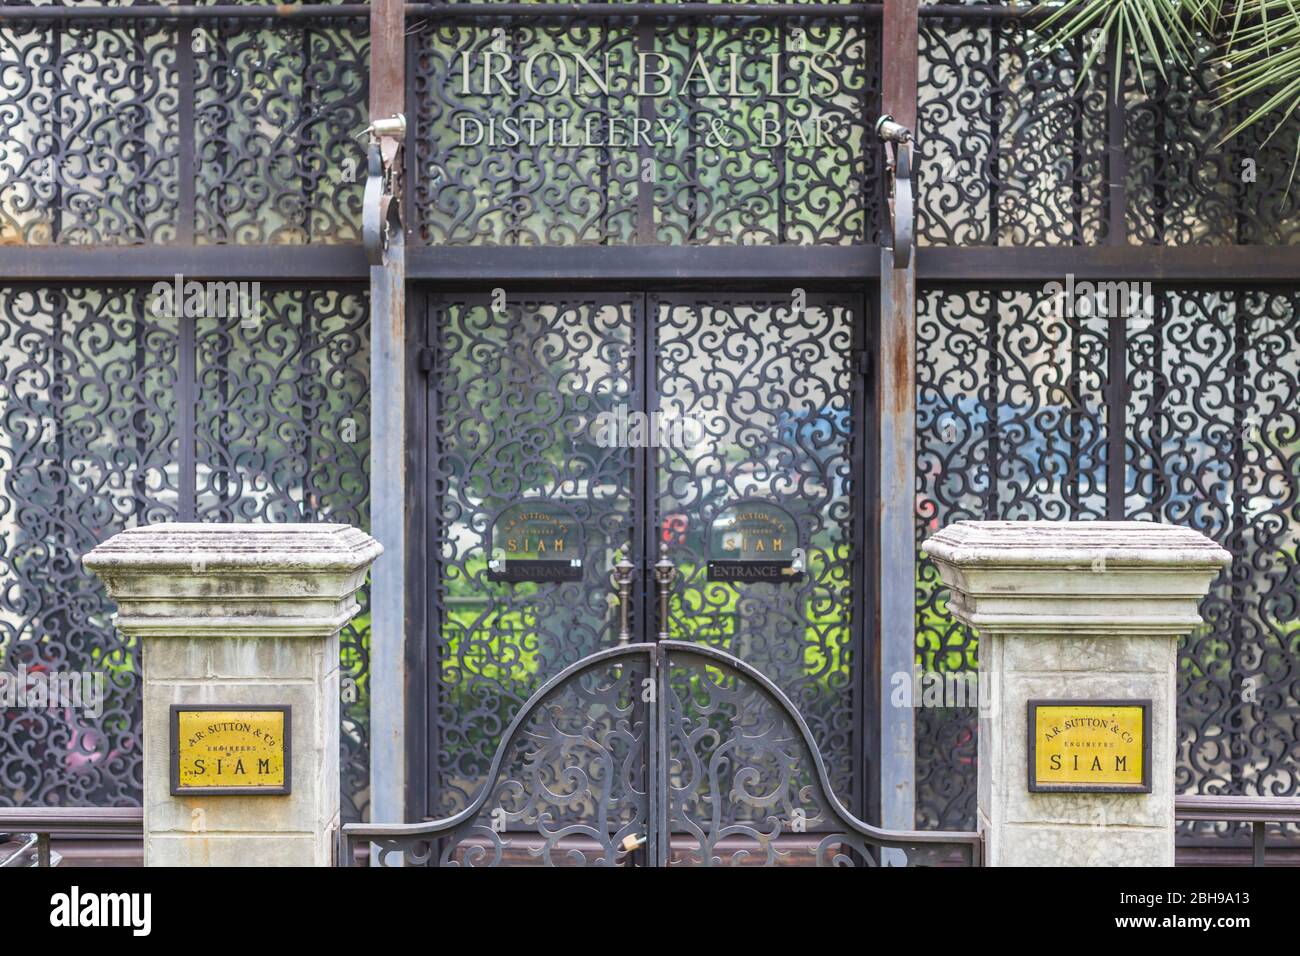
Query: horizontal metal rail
x=343, y=11
x=346, y=262
x=1259, y=812
x=72, y=821
x=280, y=11
x=37, y=827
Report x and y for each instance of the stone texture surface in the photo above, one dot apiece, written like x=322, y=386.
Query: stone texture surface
x=248, y=615
x=1074, y=610
x=196, y=579
x=1095, y=578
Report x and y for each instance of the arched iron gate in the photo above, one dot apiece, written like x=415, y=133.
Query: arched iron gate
x=665, y=753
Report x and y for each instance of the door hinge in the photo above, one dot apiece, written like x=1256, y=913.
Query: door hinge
x=862, y=362
x=426, y=360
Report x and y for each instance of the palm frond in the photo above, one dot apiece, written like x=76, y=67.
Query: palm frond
x=1260, y=66
x=1145, y=31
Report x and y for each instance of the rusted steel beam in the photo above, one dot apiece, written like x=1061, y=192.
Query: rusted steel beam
x=390, y=456
x=779, y=265
x=895, y=381
x=343, y=11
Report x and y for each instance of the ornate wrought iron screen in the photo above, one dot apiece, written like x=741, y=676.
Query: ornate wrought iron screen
x=752, y=148
x=526, y=397
x=113, y=415
x=1038, y=403
x=657, y=754
x=185, y=134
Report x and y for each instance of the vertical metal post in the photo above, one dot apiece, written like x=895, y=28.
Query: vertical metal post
x=896, y=404
x=389, y=456
x=187, y=164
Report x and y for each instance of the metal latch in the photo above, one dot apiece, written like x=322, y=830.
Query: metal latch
x=381, y=202
x=898, y=140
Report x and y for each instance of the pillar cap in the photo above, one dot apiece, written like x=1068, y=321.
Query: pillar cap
x=234, y=580
x=1064, y=544
x=179, y=546
x=1076, y=577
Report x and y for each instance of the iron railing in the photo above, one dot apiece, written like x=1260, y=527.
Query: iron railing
x=28, y=834
x=1259, y=812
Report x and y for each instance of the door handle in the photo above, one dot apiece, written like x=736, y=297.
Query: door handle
x=623, y=578
x=664, y=574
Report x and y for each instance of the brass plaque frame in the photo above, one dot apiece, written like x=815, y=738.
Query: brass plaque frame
x=174, y=722
x=1032, y=764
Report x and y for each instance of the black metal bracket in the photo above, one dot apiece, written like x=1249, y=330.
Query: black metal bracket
x=898, y=140
x=381, y=205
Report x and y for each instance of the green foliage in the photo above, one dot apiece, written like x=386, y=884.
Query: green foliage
x=1258, y=42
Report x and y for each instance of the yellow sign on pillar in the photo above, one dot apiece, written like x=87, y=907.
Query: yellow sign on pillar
x=231, y=750
x=1089, y=746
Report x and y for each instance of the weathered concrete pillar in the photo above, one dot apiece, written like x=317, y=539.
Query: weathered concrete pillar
x=239, y=630
x=1078, y=625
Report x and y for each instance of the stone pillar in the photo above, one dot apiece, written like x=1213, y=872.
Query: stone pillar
x=1078, y=611
x=247, y=615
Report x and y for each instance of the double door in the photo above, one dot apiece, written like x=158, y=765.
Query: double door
x=614, y=468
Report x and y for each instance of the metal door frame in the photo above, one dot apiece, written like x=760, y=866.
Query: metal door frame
x=422, y=438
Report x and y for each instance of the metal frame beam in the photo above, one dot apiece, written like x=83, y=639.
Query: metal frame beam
x=391, y=462
x=1217, y=264
x=896, y=404
x=712, y=264
x=656, y=264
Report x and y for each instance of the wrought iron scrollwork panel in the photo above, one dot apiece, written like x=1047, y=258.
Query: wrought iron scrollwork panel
x=657, y=755
x=521, y=187
x=772, y=386
x=96, y=391
x=279, y=117
x=1012, y=149
x=1212, y=444
x=1014, y=417
x=1010, y=423
x=88, y=383
x=519, y=386
x=499, y=162
x=1185, y=185
x=95, y=151
x=88, y=120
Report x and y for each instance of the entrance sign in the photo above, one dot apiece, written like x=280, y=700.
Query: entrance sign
x=535, y=540
x=1089, y=746
x=755, y=540
x=231, y=750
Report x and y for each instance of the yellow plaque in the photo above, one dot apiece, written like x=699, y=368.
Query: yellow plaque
x=231, y=750
x=1090, y=746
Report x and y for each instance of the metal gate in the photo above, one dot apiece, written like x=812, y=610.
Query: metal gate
x=640, y=418
x=665, y=753
x=644, y=708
